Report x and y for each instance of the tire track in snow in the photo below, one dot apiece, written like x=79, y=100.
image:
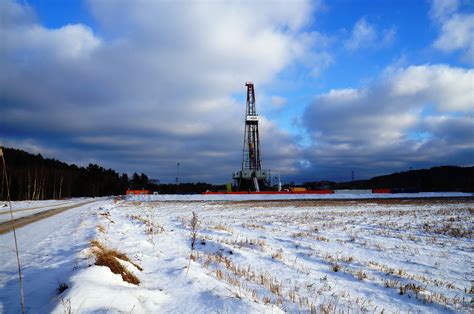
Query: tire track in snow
x=7, y=226
x=32, y=208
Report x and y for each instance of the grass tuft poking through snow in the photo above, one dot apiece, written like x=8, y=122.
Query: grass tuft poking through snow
x=62, y=286
x=194, y=227
x=110, y=258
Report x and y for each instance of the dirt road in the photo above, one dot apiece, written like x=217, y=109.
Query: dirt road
x=7, y=226
x=7, y=212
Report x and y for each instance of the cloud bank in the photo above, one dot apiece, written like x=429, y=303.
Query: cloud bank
x=154, y=83
x=152, y=86
x=413, y=116
x=366, y=35
x=456, y=29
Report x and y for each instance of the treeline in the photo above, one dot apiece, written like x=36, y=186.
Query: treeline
x=32, y=177
x=436, y=179
x=189, y=188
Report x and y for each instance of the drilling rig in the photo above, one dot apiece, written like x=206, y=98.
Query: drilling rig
x=251, y=177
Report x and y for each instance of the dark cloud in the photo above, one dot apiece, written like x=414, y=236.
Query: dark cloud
x=159, y=82
x=152, y=89
x=384, y=127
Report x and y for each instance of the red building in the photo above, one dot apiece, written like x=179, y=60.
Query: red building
x=138, y=192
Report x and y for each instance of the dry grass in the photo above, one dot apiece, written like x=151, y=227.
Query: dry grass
x=221, y=227
x=62, y=286
x=111, y=259
x=101, y=228
x=456, y=231
x=106, y=215
x=150, y=227
x=253, y=226
x=361, y=275
x=240, y=243
x=299, y=234
x=335, y=267
x=194, y=227
x=244, y=279
x=278, y=254
x=321, y=238
x=363, y=228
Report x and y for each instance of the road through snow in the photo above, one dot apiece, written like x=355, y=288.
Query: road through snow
x=7, y=226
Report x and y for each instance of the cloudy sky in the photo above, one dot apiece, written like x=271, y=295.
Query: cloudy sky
x=368, y=86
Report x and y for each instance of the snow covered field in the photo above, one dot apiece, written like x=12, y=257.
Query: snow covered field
x=267, y=197
x=250, y=256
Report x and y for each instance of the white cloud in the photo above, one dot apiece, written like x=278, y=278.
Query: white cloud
x=378, y=125
x=278, y=101
x=363, y=34
x=23, y=37
x=456, y=29
x=442, y=8
x=457, y=33
x=313, y=53
x=366, y=35
x=67, y=42
x=450, y=89
x=156, y=80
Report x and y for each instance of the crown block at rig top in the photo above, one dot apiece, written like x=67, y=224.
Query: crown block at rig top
x=251, y=176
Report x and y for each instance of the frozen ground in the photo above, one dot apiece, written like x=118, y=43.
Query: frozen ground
x=257, y=197
x=411, y=255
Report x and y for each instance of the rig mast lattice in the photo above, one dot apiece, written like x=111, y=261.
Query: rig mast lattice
x=251, y=177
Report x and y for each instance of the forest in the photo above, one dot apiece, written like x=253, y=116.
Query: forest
x=435, y=179
x=32, y=177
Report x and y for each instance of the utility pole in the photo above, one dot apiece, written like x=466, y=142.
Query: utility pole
x=279, y=181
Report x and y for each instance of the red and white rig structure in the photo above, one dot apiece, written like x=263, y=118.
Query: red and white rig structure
x=251, y=177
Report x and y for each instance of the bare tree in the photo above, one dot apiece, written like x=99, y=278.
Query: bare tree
x=60, y=186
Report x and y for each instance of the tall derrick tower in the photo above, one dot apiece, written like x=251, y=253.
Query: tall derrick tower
x=251, y=177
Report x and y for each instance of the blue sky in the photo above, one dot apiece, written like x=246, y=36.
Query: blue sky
x=369, y=86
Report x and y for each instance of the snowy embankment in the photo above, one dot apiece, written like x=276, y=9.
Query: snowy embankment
x=48, y=250
x=300, y=256
x=262, y=197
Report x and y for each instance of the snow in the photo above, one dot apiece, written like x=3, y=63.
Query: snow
x=262, y=197
x=48, y=251
x=27, y=208
x=269, y=256
x=109, y=292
